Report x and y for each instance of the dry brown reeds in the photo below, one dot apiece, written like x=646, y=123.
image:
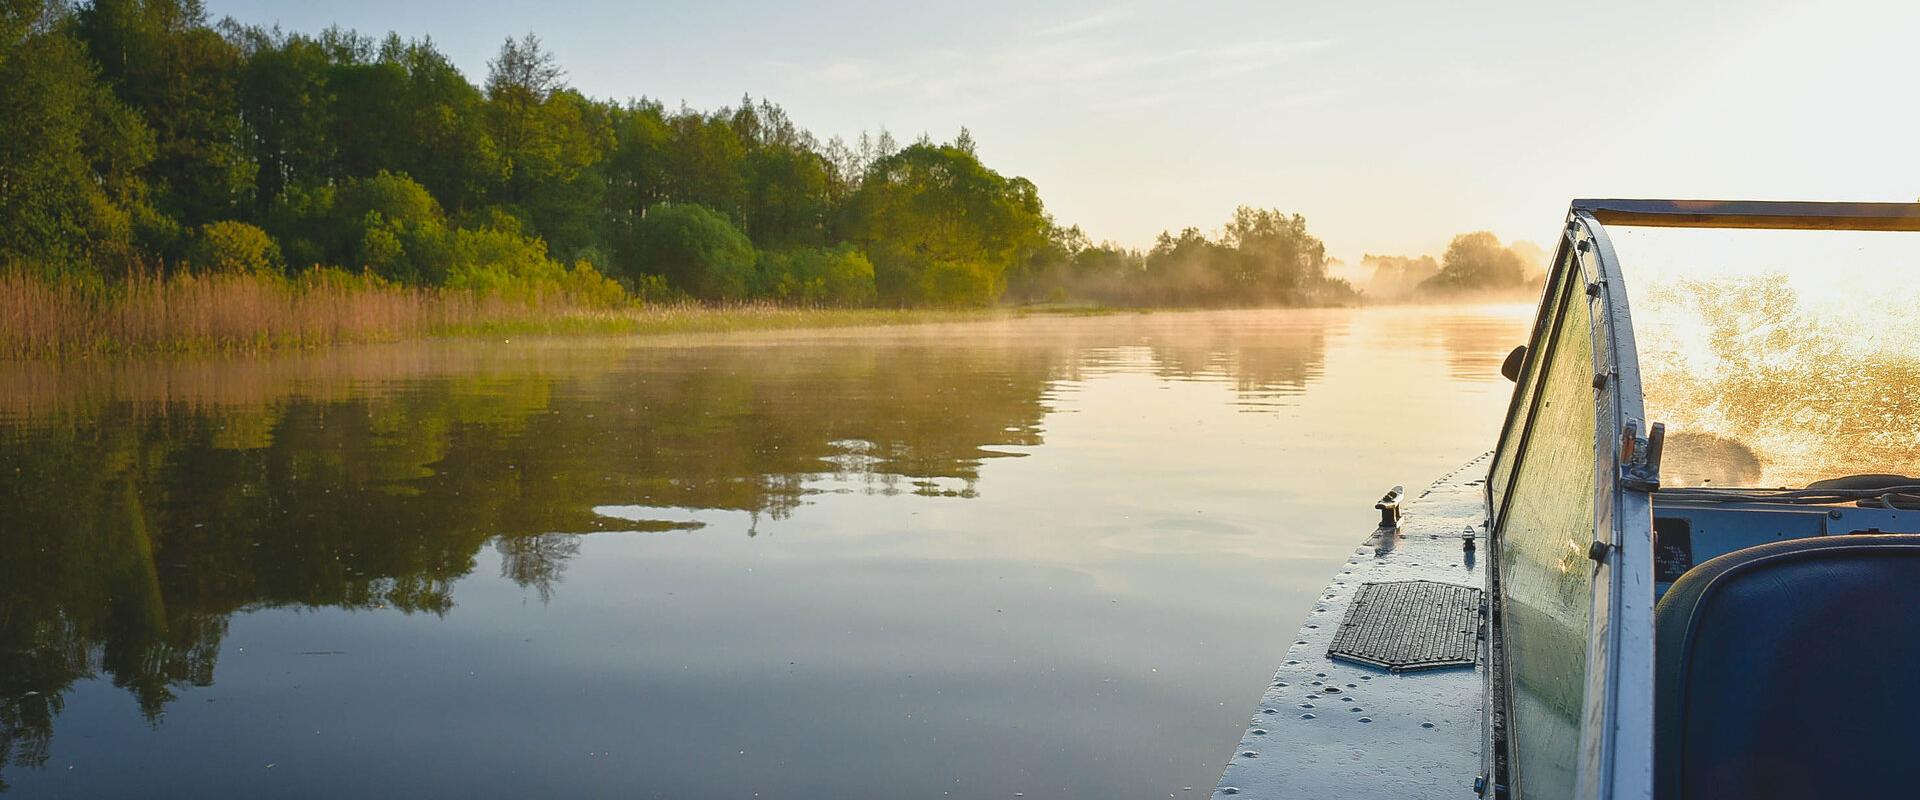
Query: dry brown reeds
x=186, y=312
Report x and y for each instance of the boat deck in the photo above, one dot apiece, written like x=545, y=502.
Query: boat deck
x=1335, y=728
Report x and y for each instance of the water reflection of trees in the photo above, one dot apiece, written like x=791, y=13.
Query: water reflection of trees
x=137, y=523
x=1274, y=361
x=1476, y=345
x=145, y=504
x=1475, y=339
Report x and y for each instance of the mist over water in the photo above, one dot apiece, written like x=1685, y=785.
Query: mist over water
x=1050, y=555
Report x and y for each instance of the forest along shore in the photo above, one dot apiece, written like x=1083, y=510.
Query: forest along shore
x=149, y=139
x=171, y=182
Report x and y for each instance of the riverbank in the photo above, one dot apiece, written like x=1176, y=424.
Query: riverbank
x=246, y=313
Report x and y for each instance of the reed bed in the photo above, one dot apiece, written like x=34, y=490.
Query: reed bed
x=246, y=312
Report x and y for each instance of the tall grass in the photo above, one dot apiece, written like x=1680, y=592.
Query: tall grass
x=42, y=318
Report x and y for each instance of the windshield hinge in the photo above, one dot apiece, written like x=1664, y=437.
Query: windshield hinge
x=1640, y=456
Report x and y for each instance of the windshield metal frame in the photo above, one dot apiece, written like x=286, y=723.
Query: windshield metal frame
x=1617, y=725
x=1753, y=214
x=1615, y=757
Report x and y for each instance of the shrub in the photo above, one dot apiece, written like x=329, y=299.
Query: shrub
x=301, y=219
x=233, y=247
x=821, y=276
x=394, y=195
x=395, y=228
x=517, y=267
x=697, y=250
x=654, y=289
x=952, y=284
x=494, y=261
x=585, y=285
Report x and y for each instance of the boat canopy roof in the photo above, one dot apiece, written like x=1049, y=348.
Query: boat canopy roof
x=1777, y=341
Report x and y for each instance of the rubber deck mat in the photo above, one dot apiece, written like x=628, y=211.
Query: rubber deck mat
x=1410, y=625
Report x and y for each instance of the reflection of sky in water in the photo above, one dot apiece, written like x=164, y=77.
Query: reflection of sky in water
x=1778, y=358
x=1049, y=555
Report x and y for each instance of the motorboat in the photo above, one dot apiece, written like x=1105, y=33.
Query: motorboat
x=1688, y=568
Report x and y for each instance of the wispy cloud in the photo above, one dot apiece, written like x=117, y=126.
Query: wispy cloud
x=849, y=72
x=1108, y=62
x=1103, y=18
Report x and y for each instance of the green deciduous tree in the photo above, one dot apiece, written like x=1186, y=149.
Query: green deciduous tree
x=1275, y=252
x=787, y=201
x=941, y=228
x=698, y=251
x=707, y=163
x=71, y=195
x=552, y=141
x=287, y=101
x=637, y=178
x=403, y=107
x=1476, y=261
x=160, y=58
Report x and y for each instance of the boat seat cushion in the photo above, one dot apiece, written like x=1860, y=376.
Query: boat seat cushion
x=1792, y=669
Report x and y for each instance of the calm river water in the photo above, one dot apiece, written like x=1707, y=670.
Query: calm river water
x=1056, y=556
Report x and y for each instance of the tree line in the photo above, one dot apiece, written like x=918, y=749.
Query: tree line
x=136, y=136
x=1474, y=264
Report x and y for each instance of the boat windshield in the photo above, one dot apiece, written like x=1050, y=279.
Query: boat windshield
x=1777, y=358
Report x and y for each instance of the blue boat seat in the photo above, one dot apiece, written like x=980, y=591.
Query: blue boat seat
x=1791, y=669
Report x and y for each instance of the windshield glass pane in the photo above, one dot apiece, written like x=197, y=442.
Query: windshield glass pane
x=1500, y=477
x=1545, y=576
x=1777, y=358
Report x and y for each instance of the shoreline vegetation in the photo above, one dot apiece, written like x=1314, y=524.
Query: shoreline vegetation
x=168, y=182
x=184, y=314
x=195, y=314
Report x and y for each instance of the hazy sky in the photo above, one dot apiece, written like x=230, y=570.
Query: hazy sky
x=1391, y=126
